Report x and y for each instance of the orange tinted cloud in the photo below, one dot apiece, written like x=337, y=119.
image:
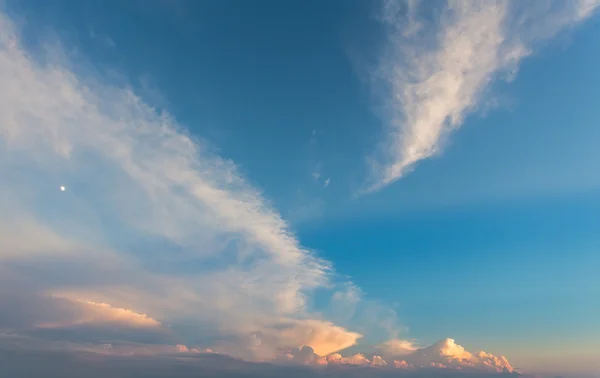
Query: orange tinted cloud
x=445, y=354
x=322, y=336
x=89, y=312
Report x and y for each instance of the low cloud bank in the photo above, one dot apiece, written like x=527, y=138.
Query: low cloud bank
x=180, y=362
x=445, y=355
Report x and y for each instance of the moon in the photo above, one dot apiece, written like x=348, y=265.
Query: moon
x=62, y=188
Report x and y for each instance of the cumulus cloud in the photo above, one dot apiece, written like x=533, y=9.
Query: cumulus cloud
x=321, y=337
x=58, y=363
x=155, y=229
x=304, y=356
x=445, y=359
x=378, y=361
x=445, y=354
x=437, y=65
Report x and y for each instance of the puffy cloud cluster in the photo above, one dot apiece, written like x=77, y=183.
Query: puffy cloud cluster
x=445, y=354
x=397, y=347
x=55, y=364
x=307, y=356
x=434, y=72
x=493, y=362
x=356, y=359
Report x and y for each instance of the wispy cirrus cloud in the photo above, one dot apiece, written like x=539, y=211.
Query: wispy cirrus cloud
x=440, y=59
x=154, y=227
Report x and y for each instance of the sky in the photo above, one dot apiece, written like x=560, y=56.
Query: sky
x=319, y=188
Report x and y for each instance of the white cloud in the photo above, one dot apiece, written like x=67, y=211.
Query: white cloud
x=153, y=220
x=435, y=73
x=445, y=354
x=396, y=347
x=175, y=361
x=378, y=361
x=356, y=359
x=401, y=364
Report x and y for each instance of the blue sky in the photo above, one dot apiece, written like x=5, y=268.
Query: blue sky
x=399, y=170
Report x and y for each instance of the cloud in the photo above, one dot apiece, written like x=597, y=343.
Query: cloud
x=322, y=337
x=399, y=354
x=396, y=347
x=447, y=354
x=155, y=229
x=102, y=313
x=437, y=66
x=378, y=361
x=159, y=246
x=369, y=316
x=62, y=319
x=63, y=363
x=304, y=356
x=401, y=364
